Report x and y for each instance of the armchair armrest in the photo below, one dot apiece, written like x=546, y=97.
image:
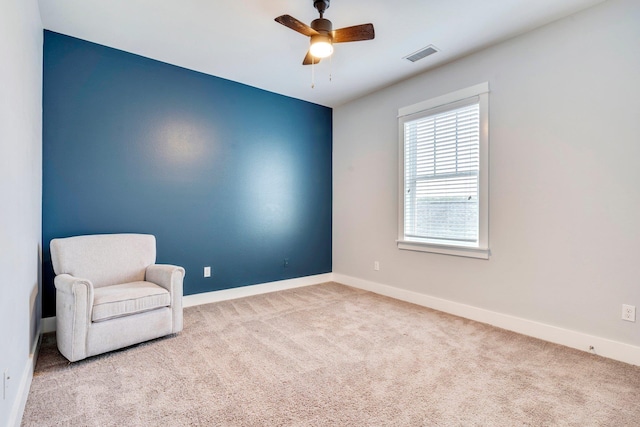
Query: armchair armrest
x=74, y=304
x=171, y=278
x=80, y=290
x=167, y=276
x=70, y=285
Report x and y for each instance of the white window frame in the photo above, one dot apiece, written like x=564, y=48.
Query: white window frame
x=481, y=91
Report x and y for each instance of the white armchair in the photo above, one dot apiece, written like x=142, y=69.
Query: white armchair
x=110, y=293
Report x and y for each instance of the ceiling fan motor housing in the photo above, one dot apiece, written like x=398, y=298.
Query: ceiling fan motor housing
x=321, y=25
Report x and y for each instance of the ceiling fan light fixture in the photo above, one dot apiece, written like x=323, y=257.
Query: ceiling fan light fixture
x=321, y=46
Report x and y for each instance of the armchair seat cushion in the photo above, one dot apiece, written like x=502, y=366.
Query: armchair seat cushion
x=125, y=299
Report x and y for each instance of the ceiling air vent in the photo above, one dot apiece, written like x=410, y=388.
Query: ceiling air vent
x=422, y=53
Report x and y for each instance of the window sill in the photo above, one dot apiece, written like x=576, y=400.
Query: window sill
x=445, y=250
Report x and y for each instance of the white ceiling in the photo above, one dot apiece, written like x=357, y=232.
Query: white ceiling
x=239, y=39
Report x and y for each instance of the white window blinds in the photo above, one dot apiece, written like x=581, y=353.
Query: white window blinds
x=441, y=168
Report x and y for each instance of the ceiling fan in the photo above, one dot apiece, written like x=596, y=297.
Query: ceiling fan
x=322, y=34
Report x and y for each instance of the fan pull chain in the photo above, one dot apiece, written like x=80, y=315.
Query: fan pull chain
x=313, y=78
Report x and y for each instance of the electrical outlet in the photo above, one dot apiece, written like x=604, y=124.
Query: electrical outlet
x=628, y=313
x=376, y=265
x=207, y=272
x=285, y=263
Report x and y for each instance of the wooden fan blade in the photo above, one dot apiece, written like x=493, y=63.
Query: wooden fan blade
x=353, y=34
x=310, y=59
x=295, y=25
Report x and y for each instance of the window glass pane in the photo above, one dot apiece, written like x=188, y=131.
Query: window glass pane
x=441, y=176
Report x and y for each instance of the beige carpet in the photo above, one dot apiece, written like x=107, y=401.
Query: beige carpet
x=330, y=355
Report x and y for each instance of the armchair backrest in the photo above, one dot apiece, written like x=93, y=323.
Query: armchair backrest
x=105, y=259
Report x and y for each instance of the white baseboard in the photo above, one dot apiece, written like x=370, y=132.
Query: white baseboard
x=604, y=347
x=49, y=323
x=15, y=417
x=247, y=291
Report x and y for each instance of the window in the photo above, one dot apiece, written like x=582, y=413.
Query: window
x=444, y=150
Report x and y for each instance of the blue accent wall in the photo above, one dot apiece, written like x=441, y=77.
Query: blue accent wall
x=223, y=174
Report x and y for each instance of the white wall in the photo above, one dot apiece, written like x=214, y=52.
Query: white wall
x=564, y=178
x=21, y=196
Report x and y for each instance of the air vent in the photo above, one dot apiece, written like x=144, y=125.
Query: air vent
x=422, y=53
